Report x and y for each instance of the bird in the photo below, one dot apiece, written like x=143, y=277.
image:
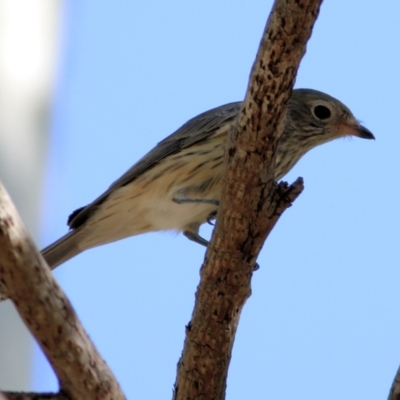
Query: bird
x=177, y=185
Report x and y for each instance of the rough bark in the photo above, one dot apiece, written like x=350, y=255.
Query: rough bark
x=27, y=280
x=251, y=203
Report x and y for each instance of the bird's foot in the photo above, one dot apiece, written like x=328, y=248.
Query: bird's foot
x=195, y=237
x=211, y=216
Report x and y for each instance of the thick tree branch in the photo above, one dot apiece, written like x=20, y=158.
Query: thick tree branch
x=251, y=203
x=41, y=303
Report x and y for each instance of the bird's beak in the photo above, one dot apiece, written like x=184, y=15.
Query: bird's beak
x=358, y=130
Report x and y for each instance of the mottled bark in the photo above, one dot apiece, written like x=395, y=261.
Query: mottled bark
x=251, y=203
x=27, y=280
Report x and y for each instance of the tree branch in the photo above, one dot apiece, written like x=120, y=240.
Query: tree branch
x=394, y=393
x=47, y=312
x=251, y=203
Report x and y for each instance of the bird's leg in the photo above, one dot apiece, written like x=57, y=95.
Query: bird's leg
x=198, y=201
x=195, y=237
x=211, y=216
x=193, y=233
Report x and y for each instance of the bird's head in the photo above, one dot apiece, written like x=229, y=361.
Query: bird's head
x=313, y=118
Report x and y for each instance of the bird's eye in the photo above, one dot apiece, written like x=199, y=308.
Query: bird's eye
x=322, y=112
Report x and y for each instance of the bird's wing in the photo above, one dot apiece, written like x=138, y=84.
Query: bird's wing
x=194, y=131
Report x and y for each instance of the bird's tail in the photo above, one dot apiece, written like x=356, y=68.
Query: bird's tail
x=62, y=250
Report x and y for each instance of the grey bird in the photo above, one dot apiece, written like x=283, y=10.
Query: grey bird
x=177, y=185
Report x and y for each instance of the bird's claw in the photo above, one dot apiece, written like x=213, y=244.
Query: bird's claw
x=210, y=217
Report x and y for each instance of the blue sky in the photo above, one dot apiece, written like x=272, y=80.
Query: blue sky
x=323, y=319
